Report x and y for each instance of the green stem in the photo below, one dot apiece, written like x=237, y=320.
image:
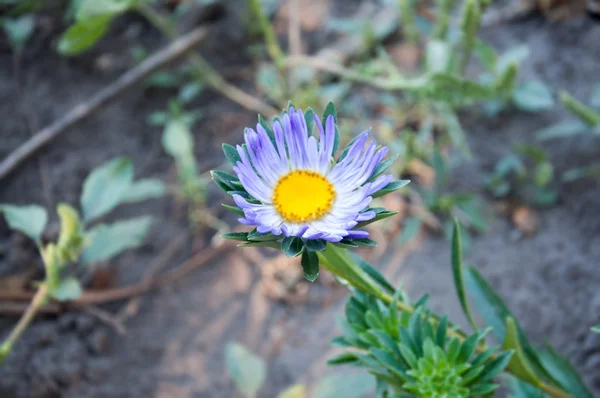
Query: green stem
x=38, y=302
x=268, y=32
x=203, y=70
x=340, y=263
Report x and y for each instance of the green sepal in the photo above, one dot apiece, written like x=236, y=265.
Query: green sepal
x=273, y=244
x=382, y=167
x=231, y=154
x=309, y=118
x=365, y=242
x=256, y=236
x=391, y=187
x=234, y=209
x=240, y=236
x=310, y=265
x=292, y=246
x=228, y=179
x=378, y=216
x=315, y=245
x=330, y=110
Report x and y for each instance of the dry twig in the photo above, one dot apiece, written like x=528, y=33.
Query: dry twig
x=175, y=50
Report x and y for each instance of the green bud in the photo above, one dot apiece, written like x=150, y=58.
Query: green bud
x=71, y=240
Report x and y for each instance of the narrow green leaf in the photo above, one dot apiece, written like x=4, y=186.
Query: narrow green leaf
x=561, y=370
x=365, y=242
x=105, y=187
x=382, y=167
x=271, y=244
x=331, y=111
x=109, y=240
x=239, y=236
x=343, y=359
x=231, y=154
x=391, y=187
x=379, y=216
x=30, y=220
x=595, y=329
x=83, y=35
x=588, y=115
x=373, y=273
x=247, y=370
x=310, y=265
x=309, y=118
x=340, y=385
x=256, y=236
x=458, y=274
x=518, y=365
x=495, y=366
x=234, y=209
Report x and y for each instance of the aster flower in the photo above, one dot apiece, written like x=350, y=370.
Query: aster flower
x=292, y=188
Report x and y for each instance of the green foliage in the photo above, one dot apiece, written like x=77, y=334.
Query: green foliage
x=416, y=353
x=19, y=30
x=92, y=18
x=526, y=174
x=533, y=96
x=30, y=220
x=247, y=370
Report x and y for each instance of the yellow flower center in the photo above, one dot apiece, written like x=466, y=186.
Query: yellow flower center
x=302, y=196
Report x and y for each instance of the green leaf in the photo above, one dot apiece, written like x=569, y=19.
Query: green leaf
x=295, y=391
x=292, y=246
x=234, y=209
x=533, y=97
x=30, y=220
x=561, y=370
x=231, y=154
x=519, y=364
x=595, y=98
x=486, y=54
x=562, y=129
x=382, y=167
x=438, y=55
x=315, y=245
x=309, y=118
x=330, y=110
x=373, y=273
x=343, y=359
x=458, y=274
x=391, y=187
x=144, y=189
x=19, y=30
x=109, y=240
x=272, y=244
x=189, y=91
x=105, y=187
x=240, y=236
x=514, y=56
x=365, y=242
x=340, y=385
x=521, y=389
x=256, y=236
x=595, y=329
x=89, y=9
x=310, y=265
x=490, y=306
x=69, y=289
x=586, y=114
x=177, y=139
x=378, y=216
x=83, y=35
x=247, y=370
x=495, y=366
x=412, y=226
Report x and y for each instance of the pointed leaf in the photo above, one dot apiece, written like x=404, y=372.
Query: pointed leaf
x=247, y=370
x=292, y=246
x=561, y=370
x=30, y=220
x=518, y=365
x=240, y=236
x=458, y=274
x=144, y=189
x=69, y=289
x=231, y=154
x=105, y=187
x=310, y=265
x=391, y=187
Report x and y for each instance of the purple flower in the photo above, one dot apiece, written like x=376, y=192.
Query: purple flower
x=294, y=186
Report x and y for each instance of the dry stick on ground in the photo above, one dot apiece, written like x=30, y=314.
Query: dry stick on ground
x=175, y=50
x=120, y=293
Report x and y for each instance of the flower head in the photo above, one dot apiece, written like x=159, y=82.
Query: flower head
x=290, y=184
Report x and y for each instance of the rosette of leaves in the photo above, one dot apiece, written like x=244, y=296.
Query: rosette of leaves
x=416, y=355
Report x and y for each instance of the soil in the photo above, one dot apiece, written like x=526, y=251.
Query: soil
x=174, y=345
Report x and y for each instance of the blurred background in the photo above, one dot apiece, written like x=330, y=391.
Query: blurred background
x=505, y=155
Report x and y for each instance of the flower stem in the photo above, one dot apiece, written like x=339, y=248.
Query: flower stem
x=340, y=263
x=38, y=302
x=203, y=70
